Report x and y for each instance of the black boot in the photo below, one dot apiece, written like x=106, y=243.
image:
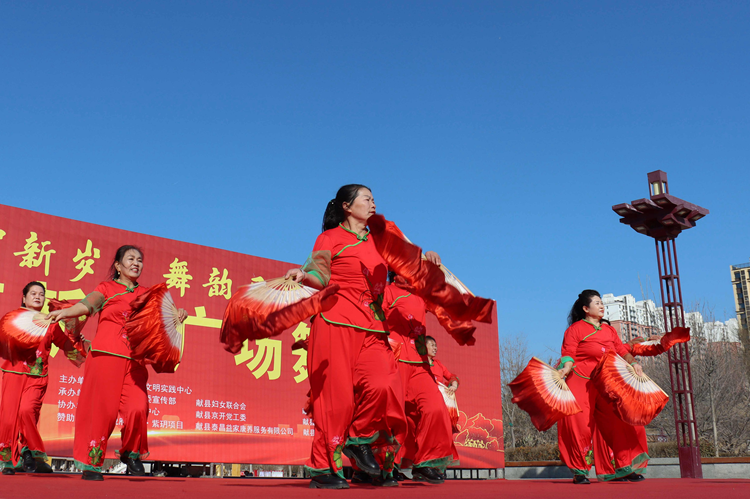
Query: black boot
x=361, y=477
x=426, y=474
x=93, y=476
x=400, y=477
x=634, y=477
x=43, y=467
x=388, y=481
x=331, y=481
x=29, y=464
x=9, y=471
x=135, y=466
x=581, y=480
x=362, y=455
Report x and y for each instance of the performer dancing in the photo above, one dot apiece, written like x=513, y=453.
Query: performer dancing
x=113, y=382
x=586, y=340
x=441, y=373
x=429, y=444
x=24, y=387
x=355, y=386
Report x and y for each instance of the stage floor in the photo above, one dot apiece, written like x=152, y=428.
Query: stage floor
x=23, y=486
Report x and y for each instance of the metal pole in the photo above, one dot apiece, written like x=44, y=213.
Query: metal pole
x=683, y=402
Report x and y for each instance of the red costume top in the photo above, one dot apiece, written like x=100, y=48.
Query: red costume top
x=440, y=372
x=115, y=309
x=40, y=366
x=584, y=344
x=357, y=267
x=406, y=324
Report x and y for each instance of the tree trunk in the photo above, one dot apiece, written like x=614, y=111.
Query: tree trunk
x=713, y=417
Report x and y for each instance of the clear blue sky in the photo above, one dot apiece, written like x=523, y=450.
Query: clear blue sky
x=496, y=133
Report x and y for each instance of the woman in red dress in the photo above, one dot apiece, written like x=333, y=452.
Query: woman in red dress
x=355, y=386
x=24, y=387
x=439, y=371
x=584, y=437
x=429, y=444
x=113, y=382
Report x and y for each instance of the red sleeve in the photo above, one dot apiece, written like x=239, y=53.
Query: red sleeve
x=446, y=373
x=102, y=288
x=58, y=336
x=620, y=348
x=323, y=243
x=570, y=345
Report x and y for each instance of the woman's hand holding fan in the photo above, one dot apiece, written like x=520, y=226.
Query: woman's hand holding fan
x=541, y=391
x=635, y=399
x=449, y=397
x=21, y=332
x=267, y=308
x=444, y=295
x=653, y=347
x=155, y=329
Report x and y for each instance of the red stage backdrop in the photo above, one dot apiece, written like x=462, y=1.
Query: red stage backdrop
x=216, y=407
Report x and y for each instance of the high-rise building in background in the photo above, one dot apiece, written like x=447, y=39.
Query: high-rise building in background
x=741, y=287
x=632, y=318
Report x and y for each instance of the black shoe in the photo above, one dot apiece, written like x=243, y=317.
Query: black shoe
x=634, y=477
x=93, y=476
x=331, y=481
x=400, y=477
x=361, y=477
x=426, y=474
x=581, y=480
x=43, y=467
x=135, y=466
x=388, y=481
x=29, y=464
x=362, y=455
x=9, y=471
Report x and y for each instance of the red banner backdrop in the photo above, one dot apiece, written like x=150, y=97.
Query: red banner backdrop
x=217, y=407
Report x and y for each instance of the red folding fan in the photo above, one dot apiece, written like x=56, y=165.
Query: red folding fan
x=541, y=391
x=451, y=403
x=427, y=280
x=21, y=332
x=73, y=325
x=635, y=399
x=154, y=330
x=267, y=308
x=655, y=347
x=73, y=328
x=461, y=331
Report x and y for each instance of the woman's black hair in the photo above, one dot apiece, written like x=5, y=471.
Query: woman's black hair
x=429, y=338
x=113, y=273
x=584, y=300
x=28, y=287
x=335, y=213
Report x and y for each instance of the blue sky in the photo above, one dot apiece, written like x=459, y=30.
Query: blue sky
x=496, y=133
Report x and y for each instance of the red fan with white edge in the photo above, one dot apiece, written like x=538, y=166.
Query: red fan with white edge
x=451, y=403
x=450, y=277
x=635, y=399
x=154, y=330
x=541, y=391
x=267, y=308
x=73, y=325
x=656, y=347
x=21, y=332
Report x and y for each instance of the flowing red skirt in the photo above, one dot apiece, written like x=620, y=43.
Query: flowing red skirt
x=356, y=396
x=585, y=438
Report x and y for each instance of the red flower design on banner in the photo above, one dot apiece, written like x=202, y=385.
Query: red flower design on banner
x=479, y=432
